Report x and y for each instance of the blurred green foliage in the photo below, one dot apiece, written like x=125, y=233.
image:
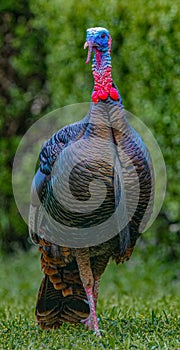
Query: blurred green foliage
x=43, y=68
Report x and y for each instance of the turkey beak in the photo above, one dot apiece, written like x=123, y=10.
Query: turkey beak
x=85, y=45
x=90, y=46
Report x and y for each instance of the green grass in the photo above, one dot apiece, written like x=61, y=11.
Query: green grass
x=138, y=307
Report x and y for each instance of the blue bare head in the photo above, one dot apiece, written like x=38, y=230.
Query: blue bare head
x=97, y=38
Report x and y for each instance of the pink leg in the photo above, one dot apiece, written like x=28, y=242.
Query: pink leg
x=91, y=322
x=87, y=278
x=96, y=290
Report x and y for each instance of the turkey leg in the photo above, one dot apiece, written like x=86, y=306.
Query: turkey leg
x=83, y=261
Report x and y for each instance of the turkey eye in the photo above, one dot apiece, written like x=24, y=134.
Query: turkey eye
x=103, y=36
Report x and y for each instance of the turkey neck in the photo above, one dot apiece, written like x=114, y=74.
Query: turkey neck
x=101, y=69
x=99, y=124
x=110, y=112
x=107, y=100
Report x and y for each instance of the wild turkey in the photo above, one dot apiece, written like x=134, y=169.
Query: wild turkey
x=100, y=147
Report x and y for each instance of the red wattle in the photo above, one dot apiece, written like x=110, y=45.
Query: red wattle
x=108, y=86
x=103, y=95
x=114, y=94
x=95, y=97
x=103, y=83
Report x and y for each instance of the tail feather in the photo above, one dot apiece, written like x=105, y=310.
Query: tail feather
x=53, y=308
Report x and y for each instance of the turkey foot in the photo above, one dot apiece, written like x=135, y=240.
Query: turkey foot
x=88, y=323
x=91, y=322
